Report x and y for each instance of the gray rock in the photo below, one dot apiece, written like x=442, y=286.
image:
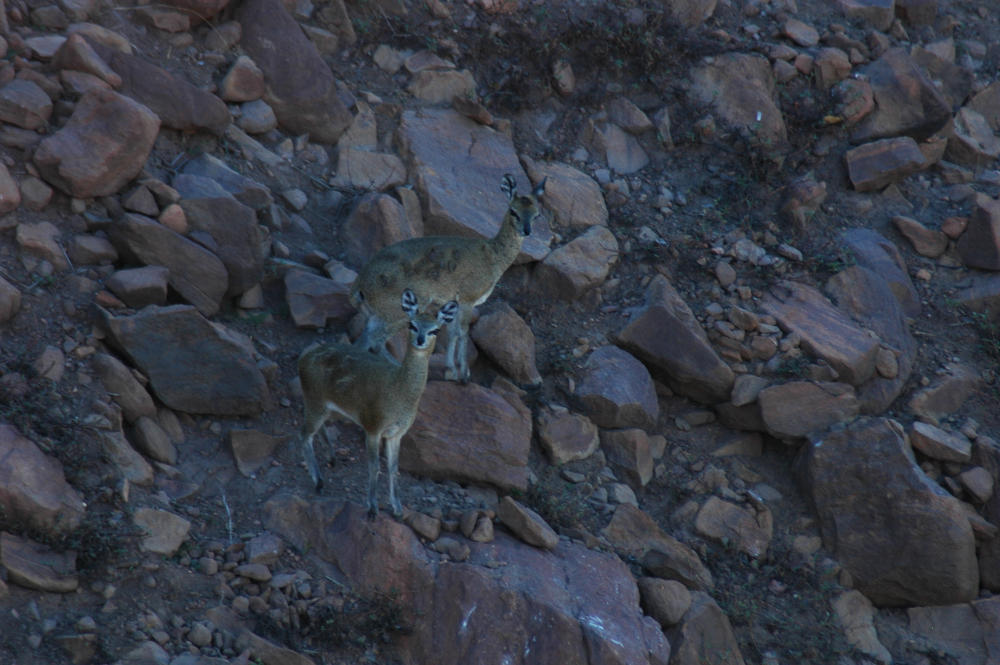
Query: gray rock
x=197, y=274
x=316, y=301
x=666, y=336
x=826, y=331
x=616, y=390
x=704, y=628
x=234, y=236
x=35, y=566
x=193, y=365
x=246, y=190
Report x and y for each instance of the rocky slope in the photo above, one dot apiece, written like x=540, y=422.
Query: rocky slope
x=736, y=401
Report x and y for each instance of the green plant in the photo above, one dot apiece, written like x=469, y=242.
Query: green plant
x=361, y=620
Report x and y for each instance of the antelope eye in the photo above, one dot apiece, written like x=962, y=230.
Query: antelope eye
x=413, y=327
x=515, y=215
x=433, y=331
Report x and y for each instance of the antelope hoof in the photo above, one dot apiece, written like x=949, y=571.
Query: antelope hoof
x=319, y=485
x=372, y=513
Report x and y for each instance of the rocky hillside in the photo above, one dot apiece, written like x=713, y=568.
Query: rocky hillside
x=736, y=401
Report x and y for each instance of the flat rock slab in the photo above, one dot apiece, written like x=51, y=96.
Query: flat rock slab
x=868, y=297
x=877, y=164
x=177, y=103
x=799, y=408
x=457, y=166
x=35, y=566
x=33, y=488
x=468, y=433
x=903, y=539
x=826, y=331
x=236, y=237
x=564, y=605
x=526, y=524
x=197, y=274
x=193, y=365
x=666, y=336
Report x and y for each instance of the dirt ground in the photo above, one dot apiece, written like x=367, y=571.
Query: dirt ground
x=779, y=606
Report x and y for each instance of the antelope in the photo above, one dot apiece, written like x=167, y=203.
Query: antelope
x=375, y=392
x=440, y=269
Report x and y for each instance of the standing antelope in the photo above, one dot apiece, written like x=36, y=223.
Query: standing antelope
x=377, y=393
x=440, y=269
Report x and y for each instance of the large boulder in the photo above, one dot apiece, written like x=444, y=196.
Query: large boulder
x=102, y=146
x=468, y=433
x=300, y=86
x=903, y=539
x=177, y=103
x=565, y=605
x=193, y=364
x=457, y=165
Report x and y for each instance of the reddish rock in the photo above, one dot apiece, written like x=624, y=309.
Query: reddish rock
x=10, y=300
x=243, y=82
x=874, y=165
x=138, y=287
x=300, y=86
x=42, y=240
x=741, y=89
x=125, y=389
x=473, y=611
x=704, y=629
x=35, y=566
x=747, y=528
x=468, y=433
x=926, y=242
x=102, y=146
x=629, y=453
x=573, y=197
x=566, y=436
x=33, y=489
x=906, y=101
x=77, y=54
x=507, y=340
x=376, y=221
x=526, y=524
x=456, y=166
x=24, y=104
x=634, y=534
x=177, y=103
x=903, y=540
x=578, y=266
x=233, y=234
x=826, y=331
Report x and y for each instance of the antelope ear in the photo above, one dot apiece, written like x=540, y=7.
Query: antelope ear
x=448, y=312
x=409, y=302
x=540, y=187
x=509, y=186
